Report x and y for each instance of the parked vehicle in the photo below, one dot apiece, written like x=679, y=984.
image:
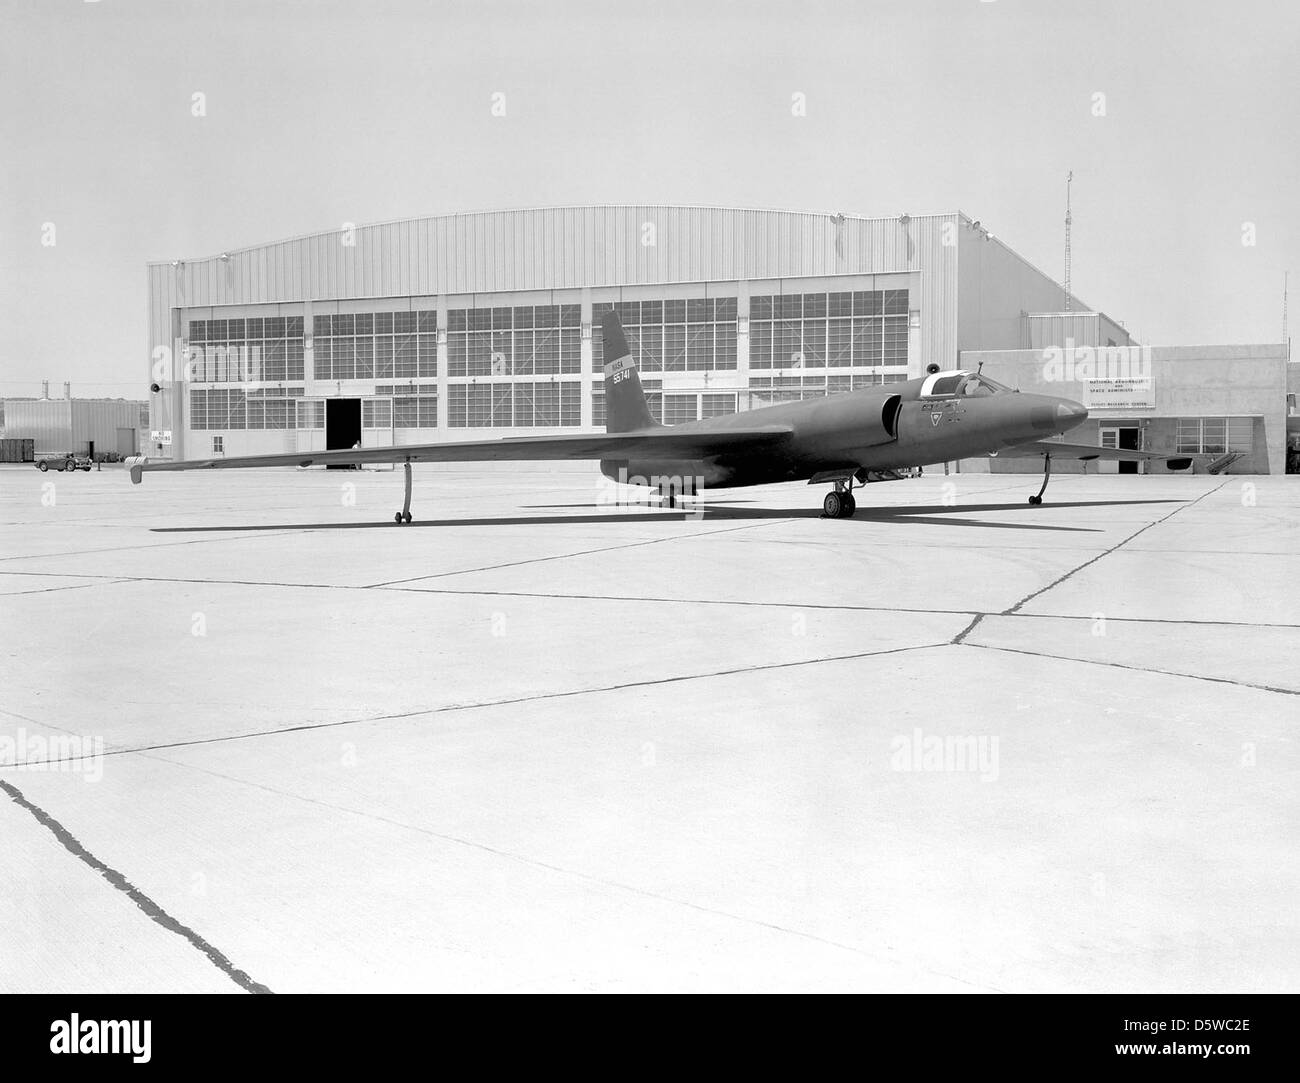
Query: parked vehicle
x=65, y=463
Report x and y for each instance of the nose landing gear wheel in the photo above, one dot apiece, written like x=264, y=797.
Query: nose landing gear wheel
x=1047, y=476
x=404, y=516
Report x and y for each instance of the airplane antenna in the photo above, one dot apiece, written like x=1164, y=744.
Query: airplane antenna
x=1069, y=179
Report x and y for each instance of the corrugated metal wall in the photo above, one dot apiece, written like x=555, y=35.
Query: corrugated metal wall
x=571, y=247
x=46, y=421
x=61, y=425
x=98, y=420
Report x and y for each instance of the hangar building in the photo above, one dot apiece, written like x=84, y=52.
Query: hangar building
x=479, y=325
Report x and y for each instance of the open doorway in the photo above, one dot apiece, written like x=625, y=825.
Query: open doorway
x=342, y=424
x=1130, y=440
x=1125, y=437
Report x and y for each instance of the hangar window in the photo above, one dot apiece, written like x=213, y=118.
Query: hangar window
x=311, y=414
x=715, y=405
x=863, y=329
x=410, y=412
x=696, y=334
x=236, y=408
x=375, y=345
x=245, y=350
x=526, y=340
x=679, y=408
x=376, y=413
x=1215, y=435
x=514, y=405
x=770, y=390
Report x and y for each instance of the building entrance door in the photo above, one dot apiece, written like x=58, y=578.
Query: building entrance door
x=342, y=424
x=1125, y=437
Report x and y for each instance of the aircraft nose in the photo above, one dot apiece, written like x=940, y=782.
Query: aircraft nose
x=1070, y=413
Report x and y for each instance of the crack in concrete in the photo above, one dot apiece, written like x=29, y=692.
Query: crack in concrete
x=119, y=882
x=1135, y=669
x=1087, y=563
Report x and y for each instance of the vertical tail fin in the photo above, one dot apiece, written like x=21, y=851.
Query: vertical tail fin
x=625, y=405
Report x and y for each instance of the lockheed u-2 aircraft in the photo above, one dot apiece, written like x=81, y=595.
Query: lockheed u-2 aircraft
x=862, y=436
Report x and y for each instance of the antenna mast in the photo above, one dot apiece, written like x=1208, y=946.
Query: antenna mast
x=1069, y=178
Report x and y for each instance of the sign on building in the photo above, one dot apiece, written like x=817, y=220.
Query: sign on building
x=1120, y=393
x=160, y=436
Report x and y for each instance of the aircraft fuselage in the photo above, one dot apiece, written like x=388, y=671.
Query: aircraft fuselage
x=889, y=428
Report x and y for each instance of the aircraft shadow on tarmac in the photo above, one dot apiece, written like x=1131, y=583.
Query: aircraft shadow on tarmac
x=716, y=511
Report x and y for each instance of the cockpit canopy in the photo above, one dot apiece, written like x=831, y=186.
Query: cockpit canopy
x=960, y=383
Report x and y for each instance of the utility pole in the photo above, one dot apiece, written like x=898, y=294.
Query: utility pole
x=1069, y=179
x=1285, y=340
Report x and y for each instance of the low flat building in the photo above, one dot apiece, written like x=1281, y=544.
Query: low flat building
x=80, y=426
x=1225, y=406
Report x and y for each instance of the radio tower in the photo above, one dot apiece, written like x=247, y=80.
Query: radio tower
x=1069, y=178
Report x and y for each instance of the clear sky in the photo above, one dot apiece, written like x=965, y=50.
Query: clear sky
x=321, y=113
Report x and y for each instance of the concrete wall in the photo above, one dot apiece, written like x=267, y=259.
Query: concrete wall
x=1189, y=381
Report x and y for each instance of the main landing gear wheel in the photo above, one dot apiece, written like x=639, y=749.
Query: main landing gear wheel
x=839, y=505
x=1035, y=500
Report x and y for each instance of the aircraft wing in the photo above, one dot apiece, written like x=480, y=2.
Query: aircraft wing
x=1060, y=450
x=660, y=443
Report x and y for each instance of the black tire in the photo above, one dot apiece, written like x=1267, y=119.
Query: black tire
x=406, y=516
x=398, y=518
x=43, y=466
x=70, y=465
x=833, y=505
x=850, y=506
x=1035, y=500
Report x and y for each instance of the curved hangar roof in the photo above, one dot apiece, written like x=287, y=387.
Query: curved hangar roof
x=556, y=248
